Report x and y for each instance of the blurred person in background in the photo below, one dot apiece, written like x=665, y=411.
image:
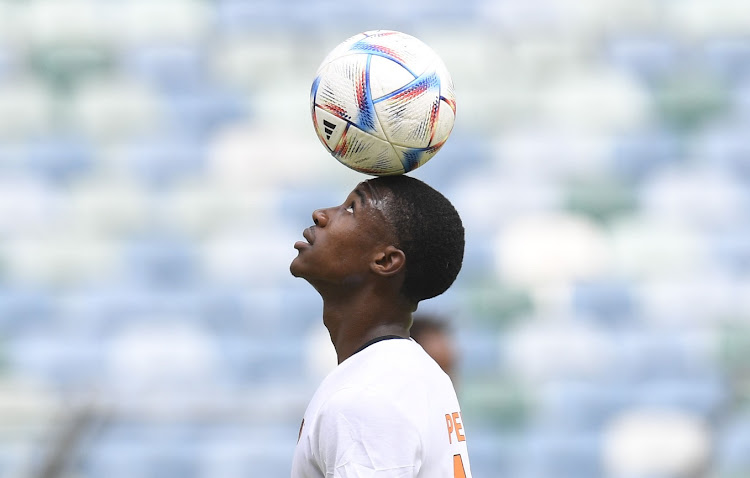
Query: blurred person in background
x=433, y=334
x=387, y=409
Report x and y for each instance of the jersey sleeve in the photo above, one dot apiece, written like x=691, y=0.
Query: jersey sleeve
x=362, y=434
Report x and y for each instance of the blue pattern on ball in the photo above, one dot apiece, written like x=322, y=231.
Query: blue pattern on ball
x=410, y=159
x=378, y=51
x=367, y=116
x=314, y=89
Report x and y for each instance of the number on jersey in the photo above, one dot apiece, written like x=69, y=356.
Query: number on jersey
x=458, y=466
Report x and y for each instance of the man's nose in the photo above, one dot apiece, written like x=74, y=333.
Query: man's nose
x=319, y=217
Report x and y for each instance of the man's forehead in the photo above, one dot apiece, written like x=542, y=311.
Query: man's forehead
x=376, y=199
x=370, y=195
x=360, y=193
x=366, y=190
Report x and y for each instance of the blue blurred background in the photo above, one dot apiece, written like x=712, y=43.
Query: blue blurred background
x=158, y=161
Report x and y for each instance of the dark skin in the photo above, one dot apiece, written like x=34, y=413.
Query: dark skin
x=351, y=259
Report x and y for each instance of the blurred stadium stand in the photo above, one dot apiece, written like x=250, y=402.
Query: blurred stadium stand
x=157, y=163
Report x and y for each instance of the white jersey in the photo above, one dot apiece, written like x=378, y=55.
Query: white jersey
x=386, y=411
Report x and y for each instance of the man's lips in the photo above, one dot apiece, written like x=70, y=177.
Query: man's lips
x=309, y=235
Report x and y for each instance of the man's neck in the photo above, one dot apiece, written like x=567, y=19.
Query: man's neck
x=350, y=329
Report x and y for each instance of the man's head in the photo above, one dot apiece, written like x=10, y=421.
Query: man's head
x=429, y=231
x=392, y=225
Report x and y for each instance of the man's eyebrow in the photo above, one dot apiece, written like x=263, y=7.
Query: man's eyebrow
x=362, y=197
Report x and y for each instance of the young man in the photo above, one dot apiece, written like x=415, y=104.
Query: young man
x=387, y=410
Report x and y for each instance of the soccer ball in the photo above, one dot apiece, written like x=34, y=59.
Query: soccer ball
x=383, y=103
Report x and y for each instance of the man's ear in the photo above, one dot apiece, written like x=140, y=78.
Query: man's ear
x=389, y=261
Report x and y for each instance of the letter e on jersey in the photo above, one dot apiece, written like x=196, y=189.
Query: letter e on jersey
x=453, y=421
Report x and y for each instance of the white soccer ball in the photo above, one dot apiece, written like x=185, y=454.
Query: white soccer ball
x=383, y=103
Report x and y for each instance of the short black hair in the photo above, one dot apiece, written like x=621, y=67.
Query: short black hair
x=428, y=230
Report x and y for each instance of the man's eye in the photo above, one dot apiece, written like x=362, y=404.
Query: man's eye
x=350, y=209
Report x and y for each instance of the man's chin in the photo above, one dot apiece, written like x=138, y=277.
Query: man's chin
x=295, y=269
